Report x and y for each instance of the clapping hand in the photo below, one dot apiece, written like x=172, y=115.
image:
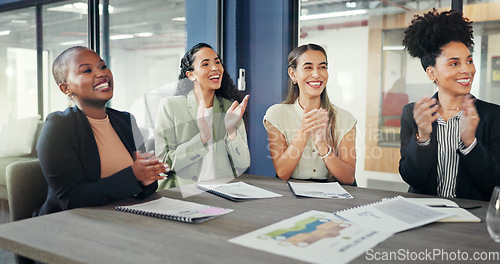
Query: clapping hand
x=313, y=121
x=234, y=115
x=203, y=126
x=424, y=113
x=468, y=121
x=147, y=168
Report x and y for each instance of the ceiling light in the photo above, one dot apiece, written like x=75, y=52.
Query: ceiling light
x=334, y=14
x=5, y=32
x=121, y=37
x=351, y=4
x=78, y=7
x=393, y=48
x=71, y=43
x=144, y=34
x=179, y=19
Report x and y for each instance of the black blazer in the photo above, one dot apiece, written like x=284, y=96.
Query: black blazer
x=478, y=171
x=70, y=161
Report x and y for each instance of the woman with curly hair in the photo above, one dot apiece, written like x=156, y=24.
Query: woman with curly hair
x=450, y=143
x=200, y=132
x=309, y=137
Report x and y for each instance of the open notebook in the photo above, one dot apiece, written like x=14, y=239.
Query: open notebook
x=237, y=191
x=173, y=209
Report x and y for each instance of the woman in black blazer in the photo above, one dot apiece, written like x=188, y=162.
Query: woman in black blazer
x=70, y=150
x=450, y=143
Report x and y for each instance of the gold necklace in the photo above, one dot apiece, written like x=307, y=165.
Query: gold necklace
x=453, y=109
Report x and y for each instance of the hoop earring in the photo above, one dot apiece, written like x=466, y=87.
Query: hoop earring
x=294, y=82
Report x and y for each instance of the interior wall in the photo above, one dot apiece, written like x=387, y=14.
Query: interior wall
x=346, y=87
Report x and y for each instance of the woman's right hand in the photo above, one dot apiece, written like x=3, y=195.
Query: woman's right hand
x=202, y=122
x=147, y=168
x=312, y=120
x=424, y=114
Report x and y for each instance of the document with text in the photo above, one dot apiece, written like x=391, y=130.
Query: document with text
x=237, y=191
x=314, y=236
x=393, y=215
x=319, y=190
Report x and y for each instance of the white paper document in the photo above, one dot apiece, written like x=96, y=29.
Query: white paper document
x=314, y=236
x=237, y=191
x=393, y=215
x=319, y=190
x=445, y=205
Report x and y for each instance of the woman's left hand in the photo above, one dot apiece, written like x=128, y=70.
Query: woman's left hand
x=469, y=121
x=234, y=115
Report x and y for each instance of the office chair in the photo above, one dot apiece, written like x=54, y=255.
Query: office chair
x=27, y=191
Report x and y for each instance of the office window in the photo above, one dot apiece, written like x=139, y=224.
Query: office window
x=147, y=40
x=64, y=26
x=18, y=68
x=373, y=77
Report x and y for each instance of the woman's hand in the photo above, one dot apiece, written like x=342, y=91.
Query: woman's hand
x=147, y=168
x=312, y=121
x=234, y=115
x=468, y=121
x=318, y=133
x=424, y=113
x=203, y=126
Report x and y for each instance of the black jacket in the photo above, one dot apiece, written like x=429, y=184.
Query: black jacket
x=70, y=161
x=478, y=171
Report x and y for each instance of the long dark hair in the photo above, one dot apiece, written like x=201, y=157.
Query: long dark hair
x=227, y=89
x=293, y=89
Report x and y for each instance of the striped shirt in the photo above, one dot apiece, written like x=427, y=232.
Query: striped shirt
x=449, y=141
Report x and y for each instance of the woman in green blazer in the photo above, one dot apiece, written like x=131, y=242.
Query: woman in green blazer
x=200, y=132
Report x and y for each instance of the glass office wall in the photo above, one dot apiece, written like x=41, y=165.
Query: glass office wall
x=64, y=25
x=373, y=77
x=147, y=40
x=142, y=43
x=18, y=68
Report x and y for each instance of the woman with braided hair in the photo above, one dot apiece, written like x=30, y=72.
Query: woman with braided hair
x=450, y=143
x=200, y=132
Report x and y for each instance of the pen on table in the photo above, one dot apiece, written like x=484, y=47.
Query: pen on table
x=452, y=206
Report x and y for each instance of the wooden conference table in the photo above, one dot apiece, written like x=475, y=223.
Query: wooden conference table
x=105, y=235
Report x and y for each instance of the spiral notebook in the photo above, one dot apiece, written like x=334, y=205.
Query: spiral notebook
x=174, y=209
x=393, y=215
x=237, y=191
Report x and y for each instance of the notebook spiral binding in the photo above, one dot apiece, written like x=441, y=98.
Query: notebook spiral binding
x=165, y=216
x=364, y=205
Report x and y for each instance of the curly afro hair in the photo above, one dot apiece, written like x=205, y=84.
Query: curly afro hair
x=427, y=34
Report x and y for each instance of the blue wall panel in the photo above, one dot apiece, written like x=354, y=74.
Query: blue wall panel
x=261, y=43
x=201, y=22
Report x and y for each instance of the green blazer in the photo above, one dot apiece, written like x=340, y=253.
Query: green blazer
x=178, y=141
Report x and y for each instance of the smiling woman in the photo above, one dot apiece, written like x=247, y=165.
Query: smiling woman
x=200, y=132
x=310, y=138
x=88, y=153
x=450, y=143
